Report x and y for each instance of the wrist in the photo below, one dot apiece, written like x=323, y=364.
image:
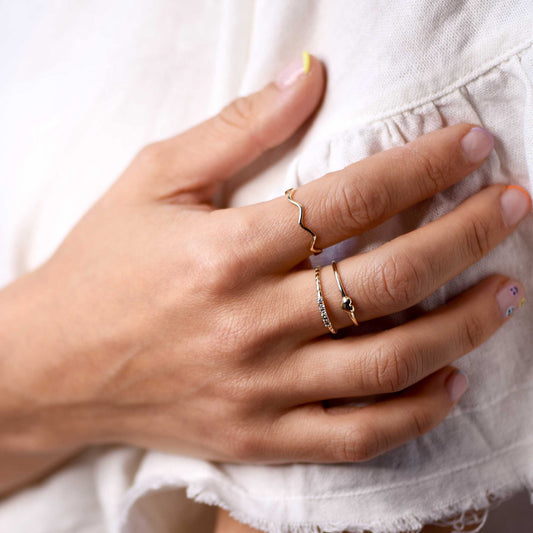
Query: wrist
x=37, y=370
x=19, y=469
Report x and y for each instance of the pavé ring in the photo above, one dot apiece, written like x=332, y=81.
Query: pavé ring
x=321, y=303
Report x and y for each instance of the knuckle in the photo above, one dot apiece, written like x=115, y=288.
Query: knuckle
x=422, y=421
x=394, y=365
x=239, y=113
x=430, y=166
x=396, y=281
x=229, y=333
x=244, y=446
x=358, y=207
x=213, y=273
x=239, y=393
x=151, y=157
x=473, y=332
x=359, y=443
x=241, y=116
x=477, y=237
x=221, y=270
x=255, y=441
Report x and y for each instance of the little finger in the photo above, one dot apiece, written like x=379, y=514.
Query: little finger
x=354, y=434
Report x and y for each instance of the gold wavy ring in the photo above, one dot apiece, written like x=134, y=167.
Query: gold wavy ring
x=288, y=194
x=347, y=304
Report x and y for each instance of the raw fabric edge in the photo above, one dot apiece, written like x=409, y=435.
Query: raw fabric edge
x=446, y=515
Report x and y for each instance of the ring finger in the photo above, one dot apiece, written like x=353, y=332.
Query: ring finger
x=311, y=433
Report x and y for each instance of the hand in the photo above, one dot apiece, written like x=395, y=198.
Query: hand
x=165, y=323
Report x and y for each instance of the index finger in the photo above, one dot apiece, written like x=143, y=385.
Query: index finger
x=366, y=193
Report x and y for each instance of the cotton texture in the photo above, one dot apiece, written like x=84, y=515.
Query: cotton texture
x=396, y=70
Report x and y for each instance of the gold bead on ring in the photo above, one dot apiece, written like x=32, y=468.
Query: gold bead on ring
x=321, y=303
x=288, y=194
x=347, y=304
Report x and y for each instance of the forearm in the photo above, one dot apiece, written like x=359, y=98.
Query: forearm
x=27, y=340
x=24, y=348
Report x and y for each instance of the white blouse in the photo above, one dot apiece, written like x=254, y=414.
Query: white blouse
x=90, y=83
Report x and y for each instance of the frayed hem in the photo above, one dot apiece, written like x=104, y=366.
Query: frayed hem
x=469, y=514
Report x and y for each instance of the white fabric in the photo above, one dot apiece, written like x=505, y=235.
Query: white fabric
x=89, y=85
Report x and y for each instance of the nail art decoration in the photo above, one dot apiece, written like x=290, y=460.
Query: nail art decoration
x=306, y=60
x=510, y=298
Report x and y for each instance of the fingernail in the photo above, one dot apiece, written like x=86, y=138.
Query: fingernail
x=293, y=71
x=456, y=384
x=510, y=297
x=515, y=203
x=477, y=144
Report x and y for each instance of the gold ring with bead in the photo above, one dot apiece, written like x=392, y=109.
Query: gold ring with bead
x=347, y=303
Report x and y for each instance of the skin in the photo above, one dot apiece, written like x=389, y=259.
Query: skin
x=165, y=323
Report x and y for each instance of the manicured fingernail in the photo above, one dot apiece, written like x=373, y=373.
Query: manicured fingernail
x=477, y=144
x=293, y=71
x=510, y=297
x=515, y=203
x=456, y=384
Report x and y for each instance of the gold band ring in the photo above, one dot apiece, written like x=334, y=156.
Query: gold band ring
x=288, y=194
x=347, y=304
x=321, y=303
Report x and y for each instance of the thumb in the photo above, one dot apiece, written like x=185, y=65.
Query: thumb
x=215, y=149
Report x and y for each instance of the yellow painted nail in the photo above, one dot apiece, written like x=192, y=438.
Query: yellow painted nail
x=522, y=302
x=306, y=61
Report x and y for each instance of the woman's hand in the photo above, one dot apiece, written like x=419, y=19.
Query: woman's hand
x=165, y=323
